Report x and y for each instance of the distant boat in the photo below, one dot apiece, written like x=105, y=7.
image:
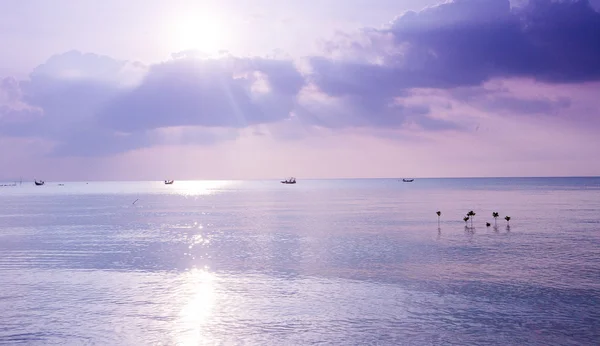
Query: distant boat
x=39, y=183
x=291, y=180
x=408, y=180
x=169, y=182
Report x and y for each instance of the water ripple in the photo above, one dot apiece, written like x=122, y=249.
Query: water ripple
x=327, y=264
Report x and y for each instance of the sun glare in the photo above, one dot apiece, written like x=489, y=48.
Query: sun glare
x=201, y=298
x=199, y=187
x=205, y=34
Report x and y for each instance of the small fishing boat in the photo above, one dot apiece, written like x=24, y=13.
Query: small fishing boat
x=408, y=180
x=169, y=182
x=291, y=180
x=39, y=183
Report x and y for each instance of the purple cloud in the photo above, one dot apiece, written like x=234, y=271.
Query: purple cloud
x=542, y=105
x=465, y=43
x=459, y=46
x=226, y=92
x=94, y=105
x=87, y=104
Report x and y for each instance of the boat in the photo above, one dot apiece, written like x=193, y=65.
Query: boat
x=169, y=182
x=408, y=180
x=291, y=180
x=39, y=183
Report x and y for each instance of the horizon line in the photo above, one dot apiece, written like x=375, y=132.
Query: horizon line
x=341, y=178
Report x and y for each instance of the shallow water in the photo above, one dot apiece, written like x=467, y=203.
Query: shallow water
x=351, y=262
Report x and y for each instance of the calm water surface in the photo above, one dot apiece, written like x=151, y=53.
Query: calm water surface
x=345, y=262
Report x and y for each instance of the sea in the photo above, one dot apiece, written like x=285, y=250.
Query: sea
x=321, y=262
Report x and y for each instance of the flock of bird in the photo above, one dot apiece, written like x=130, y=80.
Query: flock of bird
x=471, y=215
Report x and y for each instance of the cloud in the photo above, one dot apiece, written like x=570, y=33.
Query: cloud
x=465, y=43
x=408, y=77
x=95, y=105
x=508, y=99
x=322, y=109
x=457, y=47
x=12, y=107
x=74, y=66
x=542, y=105
x=225, y=92
x=64, y=94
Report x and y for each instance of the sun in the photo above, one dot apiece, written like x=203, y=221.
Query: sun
x=204, y=34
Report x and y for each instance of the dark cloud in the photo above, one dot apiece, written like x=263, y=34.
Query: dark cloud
x=227, y=92
x=465, y=43
x=356, y=111
x=501, y=99
x=89, y=104
x=65, y=93
x=515, y=105
x=365, y=96
x=95, y=105
x=458, y=46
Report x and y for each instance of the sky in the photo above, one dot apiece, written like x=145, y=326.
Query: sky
x=261, y=89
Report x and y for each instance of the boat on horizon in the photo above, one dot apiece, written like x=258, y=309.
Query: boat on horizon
x=39, y=183
x=408, y=180
x=290, y=180
x=169, y=182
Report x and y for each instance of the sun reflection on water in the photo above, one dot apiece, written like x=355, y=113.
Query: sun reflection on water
x=200, y=187
x=199, y=295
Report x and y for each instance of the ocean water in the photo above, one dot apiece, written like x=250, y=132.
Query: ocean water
x=340, y=262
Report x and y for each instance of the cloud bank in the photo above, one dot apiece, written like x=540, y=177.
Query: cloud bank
x=413, y=75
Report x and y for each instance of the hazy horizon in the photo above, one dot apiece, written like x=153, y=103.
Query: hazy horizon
x=302, y=178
